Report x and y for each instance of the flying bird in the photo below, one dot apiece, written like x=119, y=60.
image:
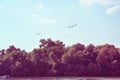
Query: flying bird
x=38, y=34
x=72, y=26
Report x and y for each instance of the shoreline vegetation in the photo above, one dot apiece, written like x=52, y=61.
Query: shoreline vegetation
x=53, y=59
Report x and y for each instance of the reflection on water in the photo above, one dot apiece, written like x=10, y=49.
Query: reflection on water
x=56, y=78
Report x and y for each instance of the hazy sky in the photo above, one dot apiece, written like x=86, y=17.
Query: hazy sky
x=98, y=22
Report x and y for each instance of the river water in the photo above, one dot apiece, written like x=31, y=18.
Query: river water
x=58, y=78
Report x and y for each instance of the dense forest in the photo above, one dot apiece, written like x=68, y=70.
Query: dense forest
x=53, y=58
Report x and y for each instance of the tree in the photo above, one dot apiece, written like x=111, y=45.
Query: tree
x=107, y=54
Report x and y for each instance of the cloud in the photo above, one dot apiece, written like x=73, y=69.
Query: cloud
x=33, y=15
x=47, y=21
x=39, y=6
x=87, y=2
x=113, y=10
x=100, y=2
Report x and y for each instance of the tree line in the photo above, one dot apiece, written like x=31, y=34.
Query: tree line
x=53, y=58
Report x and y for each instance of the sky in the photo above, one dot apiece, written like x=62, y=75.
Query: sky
x=98, y=22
